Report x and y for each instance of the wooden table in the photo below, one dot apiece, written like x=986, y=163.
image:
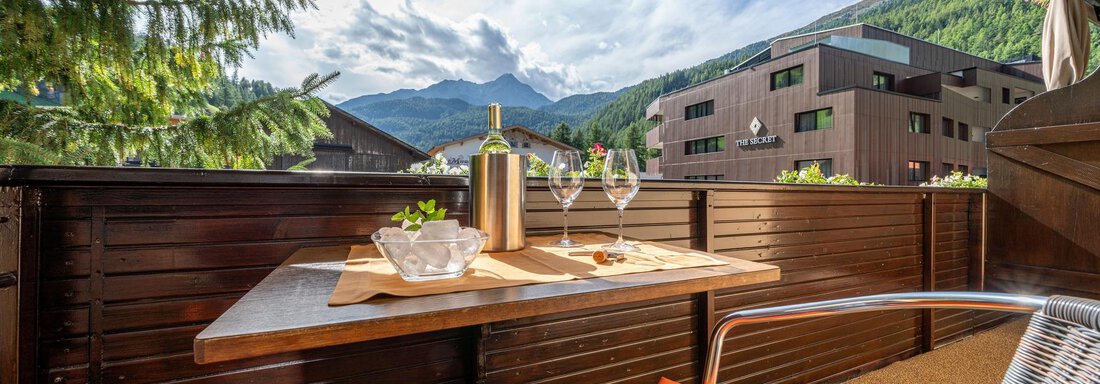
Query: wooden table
x=288, y=310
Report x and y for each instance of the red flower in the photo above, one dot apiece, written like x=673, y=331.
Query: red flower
x=597, y=149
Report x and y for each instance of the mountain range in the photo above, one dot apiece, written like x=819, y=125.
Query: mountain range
x=453, y=109
x=996, y=29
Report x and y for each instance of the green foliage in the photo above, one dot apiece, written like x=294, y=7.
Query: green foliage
x=411, y=221
x=246, y=136
x=302, y=165
x=562, y=133
x=593, y=166
x=128, y=69
x=536, y=166
x=228, y=92
x=813, y=175
x=133, y=62
x=957, y=180
x=582, y=105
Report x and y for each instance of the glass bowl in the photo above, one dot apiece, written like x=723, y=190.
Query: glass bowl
x=424, y=260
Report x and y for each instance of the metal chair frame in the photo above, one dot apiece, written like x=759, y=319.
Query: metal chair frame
x=1060, y=316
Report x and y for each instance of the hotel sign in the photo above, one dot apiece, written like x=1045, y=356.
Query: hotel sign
x=756, y=128
x=756, y=141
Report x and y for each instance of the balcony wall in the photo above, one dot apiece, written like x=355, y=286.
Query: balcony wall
x=653, y=138
x=120, y=269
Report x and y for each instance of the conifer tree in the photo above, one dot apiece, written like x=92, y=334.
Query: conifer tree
x=127, y=68
x=562, y=133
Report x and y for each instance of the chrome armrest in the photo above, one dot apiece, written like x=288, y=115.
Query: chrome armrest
x=914, y=300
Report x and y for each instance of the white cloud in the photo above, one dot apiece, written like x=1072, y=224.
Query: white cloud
x=559, y=48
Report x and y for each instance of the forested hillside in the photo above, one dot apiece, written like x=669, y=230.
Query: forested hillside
x=997, y=29
x=426, y=122
x=228, y=91
x=426, y=132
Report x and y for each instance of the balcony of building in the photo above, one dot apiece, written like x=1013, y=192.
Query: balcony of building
x=126, y=275
x=653, y=138
x=653, y=111
x=119, y=274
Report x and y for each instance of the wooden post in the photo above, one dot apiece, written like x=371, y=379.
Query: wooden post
x=9, y=285
x=976, y=242
x=705, y=220
x=705, y=309
x=928, y=321
x=95, y=306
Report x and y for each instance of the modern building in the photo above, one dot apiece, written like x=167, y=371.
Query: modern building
x=523, y=140
x=861, y=100
x=356, y=146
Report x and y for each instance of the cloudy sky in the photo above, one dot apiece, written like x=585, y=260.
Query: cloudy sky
x=560, y=47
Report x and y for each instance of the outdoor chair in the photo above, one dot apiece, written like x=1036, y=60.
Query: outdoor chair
x=1061, y=344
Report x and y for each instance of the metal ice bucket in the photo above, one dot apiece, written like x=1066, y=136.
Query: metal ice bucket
x=498, y=193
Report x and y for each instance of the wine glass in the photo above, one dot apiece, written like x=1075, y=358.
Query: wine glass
x=620, y=183
x=566, y=178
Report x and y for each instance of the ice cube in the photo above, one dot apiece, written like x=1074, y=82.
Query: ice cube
x=435, y=255
x=412, y=264
x=396, y=242
x=457, y=261
x=439, y=230
x=469, y=241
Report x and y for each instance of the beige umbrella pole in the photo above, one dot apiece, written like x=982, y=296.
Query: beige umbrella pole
x=1066, y=41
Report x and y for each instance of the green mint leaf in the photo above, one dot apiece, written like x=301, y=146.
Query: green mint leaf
x=413, y=227
x=423, y=206
x=416, y=217
x=431, y=206
x=399, y=216
x=435, y=216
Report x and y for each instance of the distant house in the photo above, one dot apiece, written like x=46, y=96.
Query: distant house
x=523, y=140
x=356, y=146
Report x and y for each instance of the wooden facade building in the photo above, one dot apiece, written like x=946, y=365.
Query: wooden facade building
x=860, y=100
x=356, y=146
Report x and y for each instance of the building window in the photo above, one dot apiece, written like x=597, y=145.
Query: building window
x=947, y=168
x=883, y=81
x=964, y=169
x=964, y=131
x=949, y=127
x=918, y=171
x=695, y=111
x=1006, y=95
x=1021, y=99
x=813, y=120
x=708, y=145
x=787, y=77
x=526, y=144
x=703, y=177
x=918, y=123
x=826, y=165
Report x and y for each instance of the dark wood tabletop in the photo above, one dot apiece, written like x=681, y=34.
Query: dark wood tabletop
x=288, y=311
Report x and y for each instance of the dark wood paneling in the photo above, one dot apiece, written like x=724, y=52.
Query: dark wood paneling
x=355, y=146
x=1044, y=188
x=10, y=234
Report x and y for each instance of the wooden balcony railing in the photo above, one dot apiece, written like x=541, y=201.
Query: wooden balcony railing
x=119, y=269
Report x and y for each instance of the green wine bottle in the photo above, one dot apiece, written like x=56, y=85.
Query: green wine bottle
x=495, y=142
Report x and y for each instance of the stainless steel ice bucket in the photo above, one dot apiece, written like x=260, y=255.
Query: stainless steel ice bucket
x=498, y=193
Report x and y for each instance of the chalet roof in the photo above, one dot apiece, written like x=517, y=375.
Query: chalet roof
x=337, y=111
x=528, y=131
